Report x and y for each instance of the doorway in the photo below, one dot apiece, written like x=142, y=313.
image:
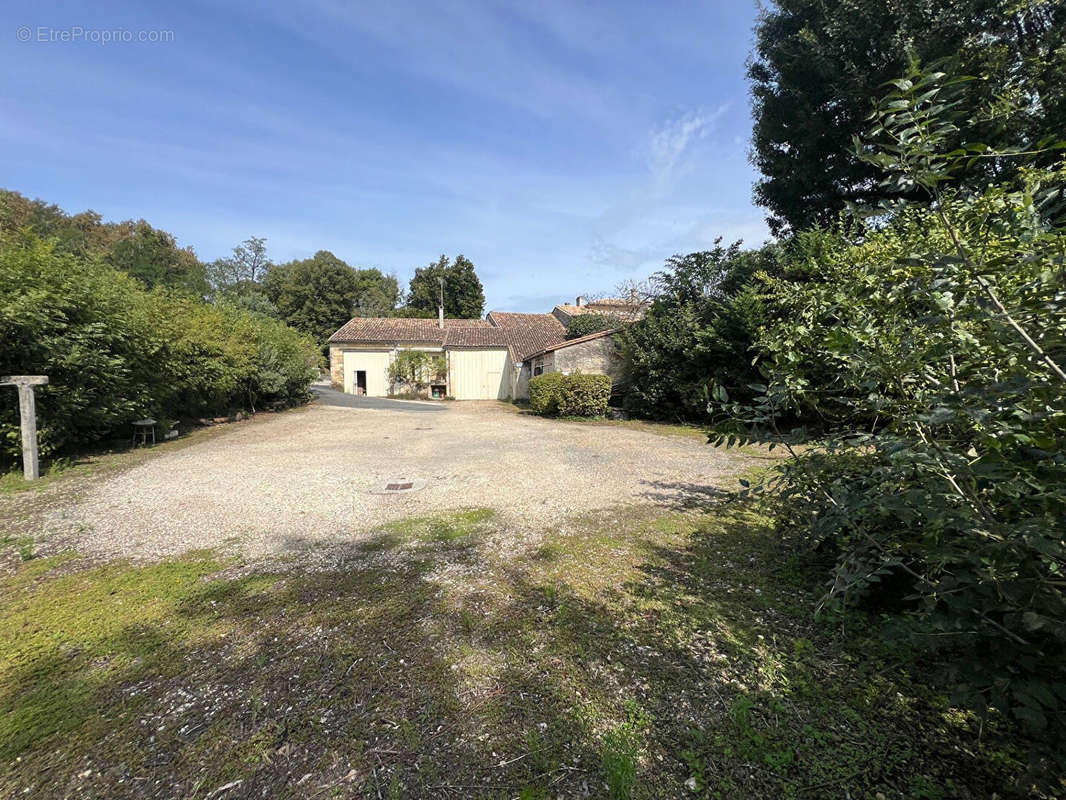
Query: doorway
x=360, y=381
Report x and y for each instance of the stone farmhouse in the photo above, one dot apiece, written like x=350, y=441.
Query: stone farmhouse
x=484, y=359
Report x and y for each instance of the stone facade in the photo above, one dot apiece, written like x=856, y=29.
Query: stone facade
x=336, y=367
x=599, y=356
x=596, y=356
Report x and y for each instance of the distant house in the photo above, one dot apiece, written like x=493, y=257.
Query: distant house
x=625, y=310
x=484, y=359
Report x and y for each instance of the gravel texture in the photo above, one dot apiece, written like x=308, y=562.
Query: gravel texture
x=288, y=483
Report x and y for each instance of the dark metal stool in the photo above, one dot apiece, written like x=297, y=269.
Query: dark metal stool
x=142, y=429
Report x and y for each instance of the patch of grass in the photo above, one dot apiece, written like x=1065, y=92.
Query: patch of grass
x=71, y=631
x=619, y=752
x=23, y=545
x=637, y=655
x=445, y=527
x=13, y=482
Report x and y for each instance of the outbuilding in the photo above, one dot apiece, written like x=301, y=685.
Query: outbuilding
x=477, y=359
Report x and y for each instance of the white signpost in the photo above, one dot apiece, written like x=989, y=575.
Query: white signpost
x=28, y=416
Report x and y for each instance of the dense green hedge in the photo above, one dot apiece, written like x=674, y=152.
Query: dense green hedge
x=544, y=393
x=570, y=395
x=115, y=351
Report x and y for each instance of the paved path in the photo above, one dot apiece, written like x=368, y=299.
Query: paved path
x=331, y=397
x=289, y=482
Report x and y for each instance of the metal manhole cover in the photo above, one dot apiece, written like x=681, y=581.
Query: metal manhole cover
x=399, y=486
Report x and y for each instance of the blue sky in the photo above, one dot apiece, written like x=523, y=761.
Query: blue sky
x=563, y=146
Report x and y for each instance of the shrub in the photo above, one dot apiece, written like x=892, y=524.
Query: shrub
x=584, y=395
x=570, y=395
x=417, y=369
x=933, y=349
x=115, y=351
x=544, y=393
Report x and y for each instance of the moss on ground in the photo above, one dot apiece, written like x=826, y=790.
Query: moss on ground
x=633, y=655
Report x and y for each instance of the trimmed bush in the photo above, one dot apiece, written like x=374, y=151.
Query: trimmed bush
x=115, y=351
x=544, y=393
x=584, y=395
x=556, y=394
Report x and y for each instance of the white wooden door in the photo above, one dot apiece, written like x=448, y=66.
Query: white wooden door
x=478, y=374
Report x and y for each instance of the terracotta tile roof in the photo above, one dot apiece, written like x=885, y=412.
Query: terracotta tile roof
x=477, y=336
x=522, y=334
x=402, y=329
x=528, y=332
x=626, y=309
x=578, y=340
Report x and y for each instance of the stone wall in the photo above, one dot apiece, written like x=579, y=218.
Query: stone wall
x=336, y=367
x=598, y=356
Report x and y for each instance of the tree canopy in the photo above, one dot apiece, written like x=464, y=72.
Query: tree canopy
x=319, y=294
x=246, y=267
x=464, y=297
x=586, y=324
x=135, y=247
x=818, y=63
x=697, y=331
x=153, y=257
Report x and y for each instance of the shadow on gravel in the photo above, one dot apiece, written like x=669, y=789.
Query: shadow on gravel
x=623, y=661
x=682, y=495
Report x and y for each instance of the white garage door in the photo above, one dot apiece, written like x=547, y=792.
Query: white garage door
x=479, y=374
x=368, y=369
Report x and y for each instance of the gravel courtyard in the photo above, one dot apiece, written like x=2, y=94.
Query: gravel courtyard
x=285, y=483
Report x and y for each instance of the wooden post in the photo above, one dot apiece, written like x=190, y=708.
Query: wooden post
x=28, y=418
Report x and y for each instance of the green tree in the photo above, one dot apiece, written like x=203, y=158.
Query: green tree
x=84, y=234
x=698, y=331
x=135, y=247
x=585, y=324
x=931, y=348
x=378, y=293
x=243, y=270
x=319, y=294
x=416, y=369
x=153, y=257
x=116, y=351
x=817, y=63
x=464, y=297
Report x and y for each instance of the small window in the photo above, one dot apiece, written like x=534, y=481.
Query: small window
x=537, y=370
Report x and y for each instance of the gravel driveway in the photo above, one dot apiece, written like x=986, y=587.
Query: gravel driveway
x=285, y=482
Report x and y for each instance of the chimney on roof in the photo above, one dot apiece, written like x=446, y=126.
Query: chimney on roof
x=580, y=300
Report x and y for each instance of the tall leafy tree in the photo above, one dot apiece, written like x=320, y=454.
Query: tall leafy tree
x=378, y=294
x=319, y=294
x=153, y=257
x=697, y=333
x=464, y=296
x=247, y=266
x=817, y=63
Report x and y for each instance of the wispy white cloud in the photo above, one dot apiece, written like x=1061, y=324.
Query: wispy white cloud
x=672, y=141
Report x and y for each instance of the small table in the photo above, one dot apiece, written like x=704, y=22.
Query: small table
x=142, y=429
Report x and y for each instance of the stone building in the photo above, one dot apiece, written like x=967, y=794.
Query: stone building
x=484, y=359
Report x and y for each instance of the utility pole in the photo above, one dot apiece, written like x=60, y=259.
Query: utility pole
x=440, y=308
x=28, y=418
